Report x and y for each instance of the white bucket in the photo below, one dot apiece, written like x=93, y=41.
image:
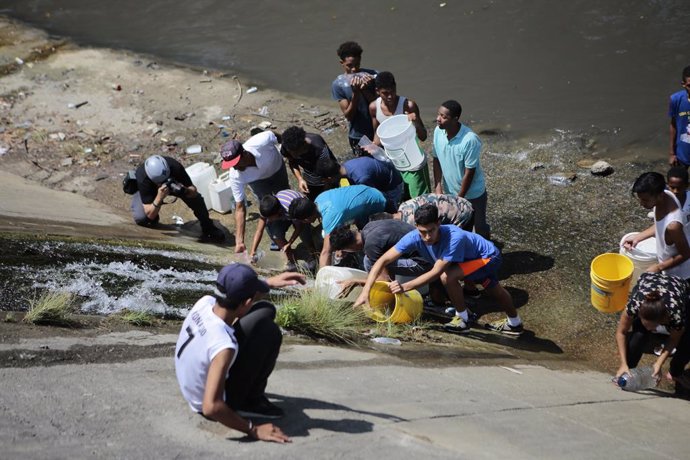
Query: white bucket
x=202, y=174
x=399, y=139
x=327, y=281
x=643, y=256
x=221, y=194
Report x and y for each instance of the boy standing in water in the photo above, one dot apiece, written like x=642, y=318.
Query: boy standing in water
x=354, y=90
x=679, y=111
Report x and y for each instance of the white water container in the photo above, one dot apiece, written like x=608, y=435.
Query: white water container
x=221, y=194
x=643, y=256
x=202, y=174
x=327, y=281
x=399, y=139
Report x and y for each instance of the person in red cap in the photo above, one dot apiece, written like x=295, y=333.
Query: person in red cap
x=227, y=348
x=258, y=164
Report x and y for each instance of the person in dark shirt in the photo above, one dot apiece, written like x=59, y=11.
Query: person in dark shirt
x=354, y=90
x=658, y=299
x=157, y=178
x=375, y=239
x=302, y=150
x=368, y=171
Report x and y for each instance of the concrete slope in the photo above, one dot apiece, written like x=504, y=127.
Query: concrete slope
x=341, y=403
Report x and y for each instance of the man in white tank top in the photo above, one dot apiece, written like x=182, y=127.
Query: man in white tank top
x=227, y=349
x=385, y=106
x=673, y=252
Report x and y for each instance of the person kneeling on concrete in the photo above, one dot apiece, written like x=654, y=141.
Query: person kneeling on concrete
x=447, y=247
x=160, y=177
x=227, y=348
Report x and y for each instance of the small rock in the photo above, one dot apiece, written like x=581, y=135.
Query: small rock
x=88, y=150
x=19, y=61
x=3, y=150
x=586, y=163
x=265, y=125
x=66, y=162
x=179, y=139
x=601, y=168
x=536, y=165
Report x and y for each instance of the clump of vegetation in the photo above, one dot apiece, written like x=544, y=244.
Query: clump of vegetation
x=10, y=318
x=315, y=315
x=53, y=308
x=137, y=318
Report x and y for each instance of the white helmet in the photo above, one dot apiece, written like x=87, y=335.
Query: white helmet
x=157, y=169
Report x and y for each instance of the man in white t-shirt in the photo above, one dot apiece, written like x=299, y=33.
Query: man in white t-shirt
x=227, y=348
x=258, y=164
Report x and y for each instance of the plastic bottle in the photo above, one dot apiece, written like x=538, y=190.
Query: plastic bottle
x=639, y=378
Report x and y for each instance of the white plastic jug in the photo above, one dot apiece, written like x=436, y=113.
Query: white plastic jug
x=327, y=281
x=399, y=139
x=643, y=256
x=221, y=194
x=202, y=174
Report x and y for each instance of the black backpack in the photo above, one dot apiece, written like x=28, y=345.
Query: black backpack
x=129, y=183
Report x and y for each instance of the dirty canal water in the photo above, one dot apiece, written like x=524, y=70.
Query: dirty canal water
x=106, y=278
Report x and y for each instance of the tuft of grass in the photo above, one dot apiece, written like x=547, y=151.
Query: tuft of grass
x=137, y=318
x=317, y=316
x=10, y=318
x=53, y=308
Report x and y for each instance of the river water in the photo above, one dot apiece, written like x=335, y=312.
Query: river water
x=525, y=67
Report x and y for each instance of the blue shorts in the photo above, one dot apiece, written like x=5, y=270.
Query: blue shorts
x=487, y=275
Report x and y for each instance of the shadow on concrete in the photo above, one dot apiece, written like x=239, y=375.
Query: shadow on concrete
x=298, y=424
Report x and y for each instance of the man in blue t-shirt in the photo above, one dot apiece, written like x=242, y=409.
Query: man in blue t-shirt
x=456, y=255
x=679, y=111
x=338, y=207
x=457, y=170
x=354, y=90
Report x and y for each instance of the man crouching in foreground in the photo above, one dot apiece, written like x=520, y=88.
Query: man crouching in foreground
x=227, y=349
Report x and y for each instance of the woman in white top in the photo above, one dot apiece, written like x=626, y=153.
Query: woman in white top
x=672, y=248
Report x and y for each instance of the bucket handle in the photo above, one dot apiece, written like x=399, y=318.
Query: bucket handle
x=633, y=249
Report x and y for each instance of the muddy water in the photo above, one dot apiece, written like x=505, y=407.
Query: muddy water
x=523, y=66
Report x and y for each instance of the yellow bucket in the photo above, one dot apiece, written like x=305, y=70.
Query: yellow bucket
x=610, y=274
x=405, y=307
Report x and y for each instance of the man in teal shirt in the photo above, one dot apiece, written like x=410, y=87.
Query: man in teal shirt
x=457, y=170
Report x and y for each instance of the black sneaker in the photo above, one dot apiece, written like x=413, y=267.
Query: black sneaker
x=263, y=408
